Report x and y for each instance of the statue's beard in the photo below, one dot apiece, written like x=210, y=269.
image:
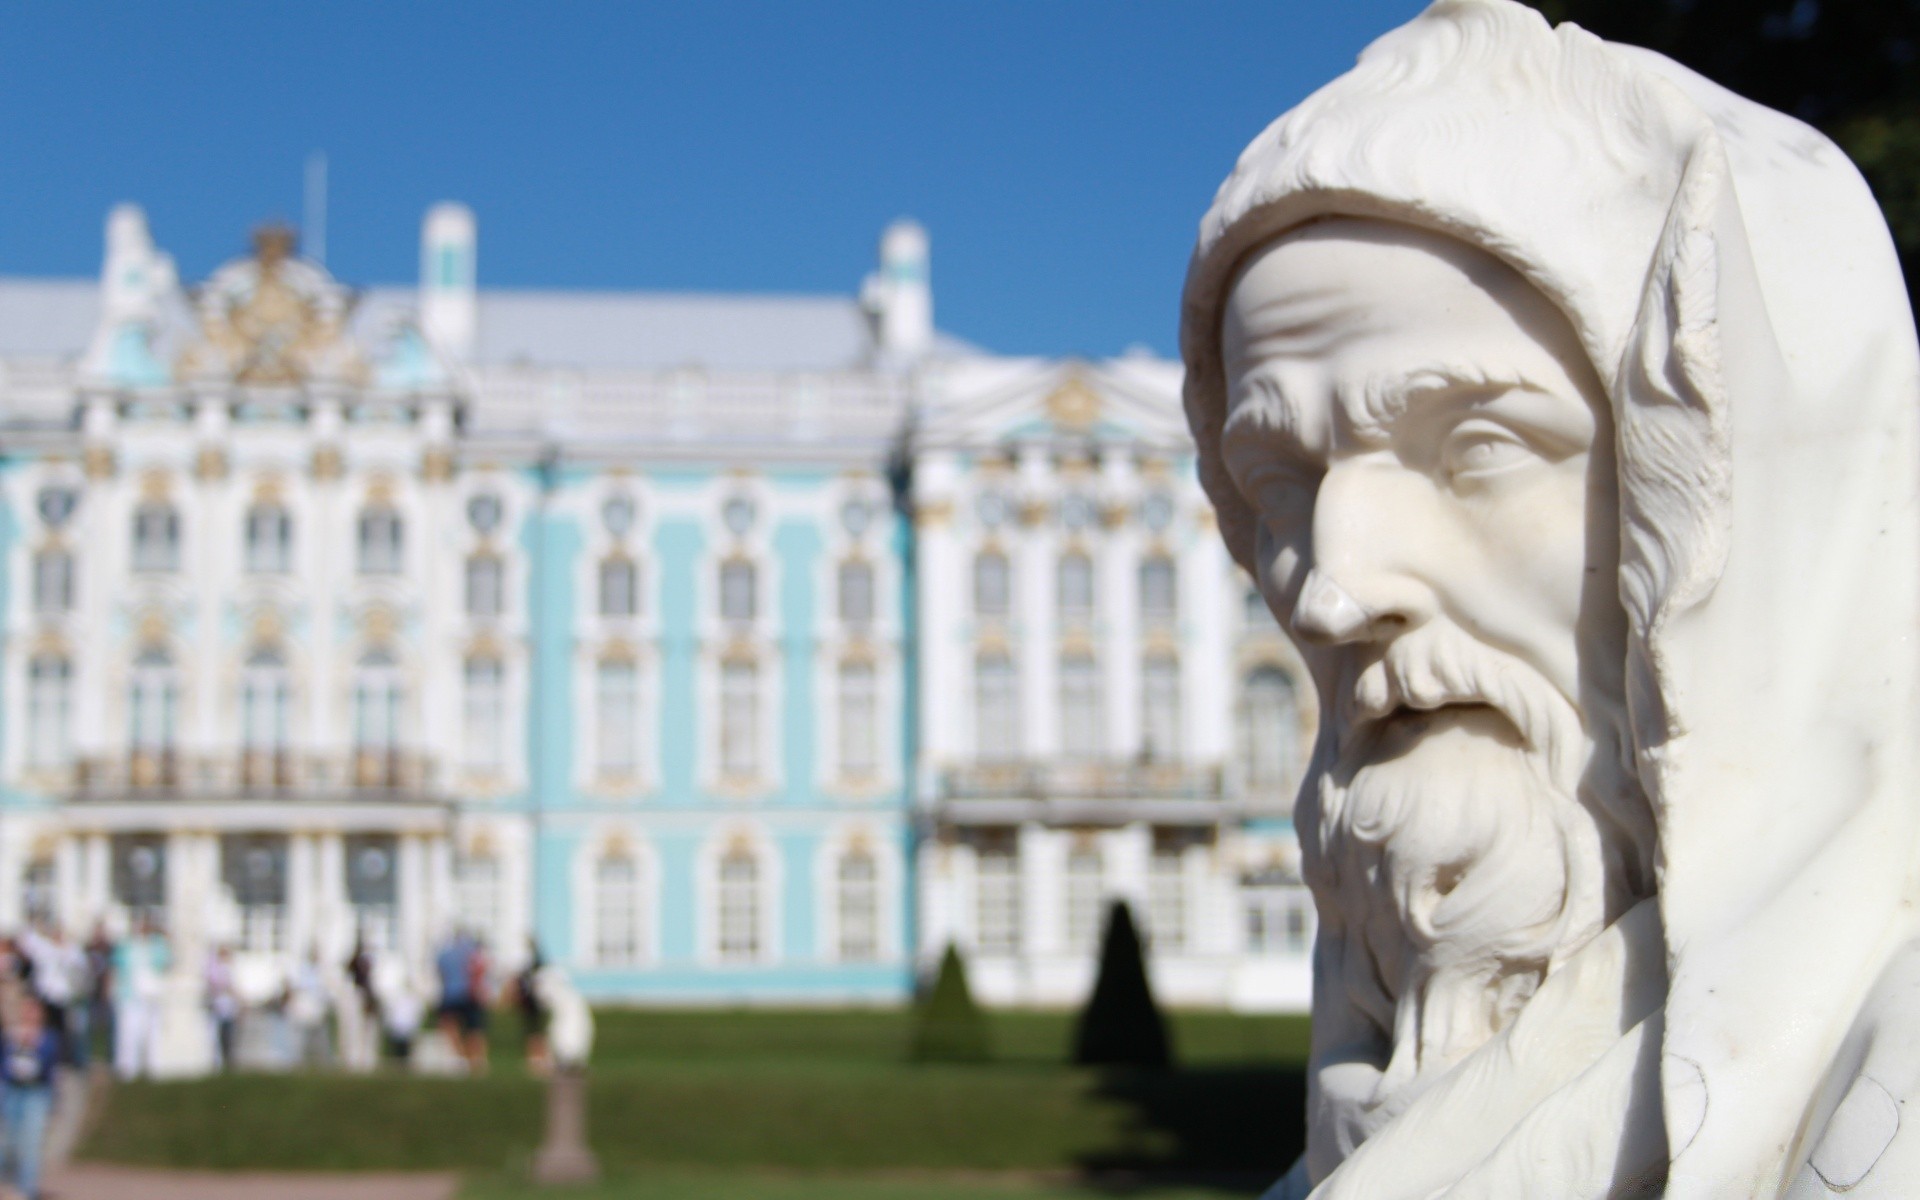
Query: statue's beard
x=1453, y=863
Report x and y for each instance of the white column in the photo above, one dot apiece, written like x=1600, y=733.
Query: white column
x=70, y=901
x=1042, y=890
x=13, y=866
x=1038, y=649
x=1127, y=854
x=323, y=544
x=1209, y=587
x=99, y=881
x=333, y=920
x=303, y=894
x=945, y=613
x=411, y=896
x=938, y=925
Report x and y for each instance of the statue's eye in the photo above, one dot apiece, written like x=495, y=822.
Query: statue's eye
x=1479, y=448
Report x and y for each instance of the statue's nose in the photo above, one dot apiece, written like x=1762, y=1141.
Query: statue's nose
x=1326, y=614
x=1362, y=586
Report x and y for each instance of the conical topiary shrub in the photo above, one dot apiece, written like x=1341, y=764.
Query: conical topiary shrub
x=947, y=1025
x=1121, y=1025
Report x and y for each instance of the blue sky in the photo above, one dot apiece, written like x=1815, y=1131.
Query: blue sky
x=1059, y=152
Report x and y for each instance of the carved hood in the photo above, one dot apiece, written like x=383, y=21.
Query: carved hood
x=1735, y=287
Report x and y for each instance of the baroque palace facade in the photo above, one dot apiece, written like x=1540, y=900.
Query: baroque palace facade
x=735, y=647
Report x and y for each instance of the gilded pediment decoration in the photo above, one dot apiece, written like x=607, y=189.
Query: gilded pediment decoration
x=273, y=320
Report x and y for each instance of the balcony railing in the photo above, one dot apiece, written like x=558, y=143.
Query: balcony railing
x=252, y=774
x=1083, y=782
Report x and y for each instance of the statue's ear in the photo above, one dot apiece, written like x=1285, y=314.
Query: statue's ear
x=1671, y=420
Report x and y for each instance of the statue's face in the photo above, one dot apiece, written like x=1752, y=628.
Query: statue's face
x=1429, y=455
x=1413, y=423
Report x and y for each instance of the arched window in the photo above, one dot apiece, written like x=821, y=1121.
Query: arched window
x=739, y=917
x=484, y=715
x=859, y=721
x=382, y=541
x=373, y=887
x=1080, y=708
x=619, y=587
x=53, y=580
x=156, y=537
x=486, y=585
x=253, y=869
x=1159, y=591
x=738, y=601
x=1269, y=733
x=49, y=711
x=616, y=910
x=616, y=702
x=1160, y=708
x=377, y=702
x=266, y=703
x=1086, y=888
x=857, y=905
x=739, y=719
x=1074, y=588
x=856, y=592
x=269, y=541
x=153, y=711
x=996, y=708
x=992, y=585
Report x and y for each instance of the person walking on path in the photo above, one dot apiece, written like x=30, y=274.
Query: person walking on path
x=99, y=1002
x=140, y=973
x=28, y=1061
x=223, y=1003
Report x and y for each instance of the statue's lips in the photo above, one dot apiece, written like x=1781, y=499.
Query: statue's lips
x=1405, y=727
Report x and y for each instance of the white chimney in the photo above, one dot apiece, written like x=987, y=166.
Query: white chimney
x=449, y=307
x=900, y=294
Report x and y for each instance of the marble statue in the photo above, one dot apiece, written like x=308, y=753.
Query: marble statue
x=1566, y=409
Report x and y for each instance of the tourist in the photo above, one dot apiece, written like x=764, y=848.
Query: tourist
x=99, y=1006
x=58, y=977
x=308, y=1005
x=31, y=1055
x=140, y=969
x=400, y=1014
x=533, y=1011
x=223, y=1004
x=359, y=1012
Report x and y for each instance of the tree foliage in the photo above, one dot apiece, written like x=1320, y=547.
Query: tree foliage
x=947, y=1025
x=1850, y=68
x=1121, y=1025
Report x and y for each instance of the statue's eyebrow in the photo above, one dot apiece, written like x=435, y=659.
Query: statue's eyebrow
x=1371, y=409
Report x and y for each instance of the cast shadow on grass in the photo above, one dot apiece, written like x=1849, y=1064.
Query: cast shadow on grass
x=1230, y=1129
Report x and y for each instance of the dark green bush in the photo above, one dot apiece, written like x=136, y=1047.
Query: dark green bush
x=947, y=1025
x=1121, y=1025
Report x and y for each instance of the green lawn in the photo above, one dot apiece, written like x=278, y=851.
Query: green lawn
x=762, y=1186
x=677, y=1096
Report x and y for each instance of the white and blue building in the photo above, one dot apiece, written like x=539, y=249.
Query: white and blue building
x=736, y=648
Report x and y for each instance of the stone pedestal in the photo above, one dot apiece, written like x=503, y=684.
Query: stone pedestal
x=564, y=1156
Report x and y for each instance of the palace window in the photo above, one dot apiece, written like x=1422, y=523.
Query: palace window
x=477, y=893
x=382, y=541
x=1167, y=897
x=153, y=711
x=739, y=907
x=992, y=586
x=616, y=703
x=486, y=585
x=156, y=537
x=996, y=709
x=269, y=540
x=857, y=906
x=377, y=701
x=1080, y=715
x=1269, y=730
x=139, y=878
x=1255, y=615
x=1278, y=911
x=856, y=593
x=619, y=587
x=738, y=601
x=1159, y=591
x=1074, y=588
x=616, y=911
x=253, y=870
x=266, y=702
x=1160, y=708
x=49, y=711
x=859, y=721
x=39, y=892
x=1086, y=888
x=739, y=720
x=484, y=715
x=53, y=581
x=373, y=888
x=997, y=898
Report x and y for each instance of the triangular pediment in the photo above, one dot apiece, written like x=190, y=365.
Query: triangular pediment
x=991, y=402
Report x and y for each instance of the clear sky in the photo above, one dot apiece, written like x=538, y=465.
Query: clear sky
x=1060, y=152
